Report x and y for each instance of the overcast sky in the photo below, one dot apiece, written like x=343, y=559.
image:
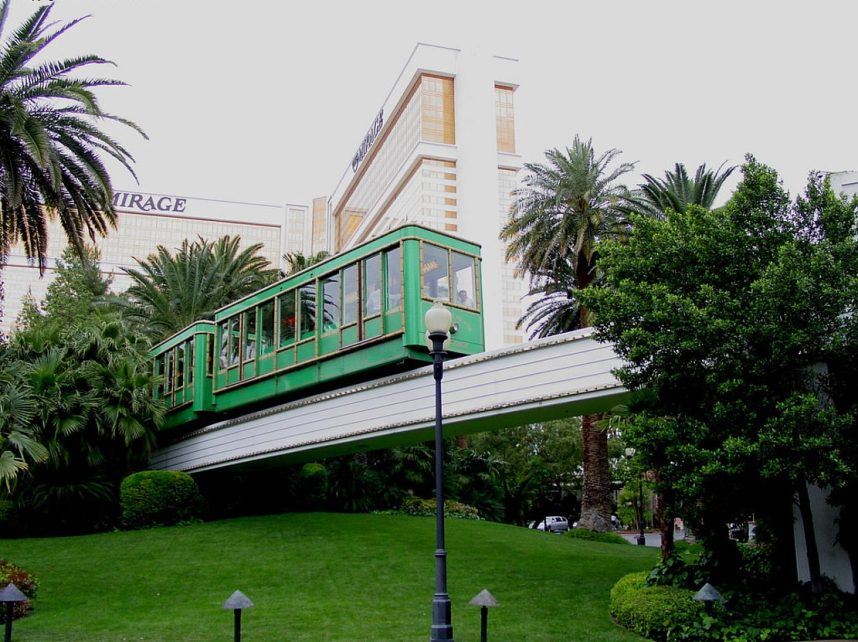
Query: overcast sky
x=266, y=101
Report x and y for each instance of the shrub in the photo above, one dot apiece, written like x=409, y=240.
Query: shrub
x=652, y=611
x=426, y=508
x=593, y=536
x=158, y=498
x=667, y=612
x=25, y=582
x=312, y=485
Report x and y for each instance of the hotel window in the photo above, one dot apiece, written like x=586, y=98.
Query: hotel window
x=505, y=119
x=438, y=121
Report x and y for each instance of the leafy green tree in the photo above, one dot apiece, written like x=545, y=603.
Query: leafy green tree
x=51, y=148
x=92, y=414
x=558, y=218
x=172, y=290
x=298, y=261
x=677, y=190
x=727, y=320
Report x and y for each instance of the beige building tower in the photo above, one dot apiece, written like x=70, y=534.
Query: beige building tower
x=440, y=151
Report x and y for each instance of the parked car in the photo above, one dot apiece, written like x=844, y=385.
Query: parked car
x=556, y=524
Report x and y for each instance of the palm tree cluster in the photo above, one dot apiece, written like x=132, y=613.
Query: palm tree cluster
x=565, y=208
x=51, y=151
x=171, y=290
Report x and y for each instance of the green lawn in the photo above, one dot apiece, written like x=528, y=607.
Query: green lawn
x=319, y=576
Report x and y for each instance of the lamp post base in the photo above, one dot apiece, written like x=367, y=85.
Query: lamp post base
x=442, y=627
x=641, y=540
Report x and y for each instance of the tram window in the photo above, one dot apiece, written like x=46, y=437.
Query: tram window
x=168, y=373
x=180, y=366
x=394, y=279
x=159, y=374
x=436, y=280
x=307, y=296
x=266, y=328
x=234, y=341
x=464, y=283
x=223, y=358
x=331, y=303
x=350, y=295
x=249, y=333
x=287, y=318
x=372, y=285
x=189, y=368
x=209, y=354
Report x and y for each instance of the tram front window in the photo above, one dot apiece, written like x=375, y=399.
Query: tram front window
x=436, y=280
x=394, y=279
x=464, y=283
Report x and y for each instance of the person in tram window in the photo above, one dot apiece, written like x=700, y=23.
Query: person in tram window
x=373, y=299
x=464, y=299
x=224, y=360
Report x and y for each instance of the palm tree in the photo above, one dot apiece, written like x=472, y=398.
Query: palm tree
x=564, y=209
x=171, y=291
x=298, y=261
x=676, y=191
x=51, y=151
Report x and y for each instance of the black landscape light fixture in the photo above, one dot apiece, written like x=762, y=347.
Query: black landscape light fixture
x=11, y=595
x=485, y=601
x=438, y=324
x=630, y=452
x=708, y=594
x=236, y=602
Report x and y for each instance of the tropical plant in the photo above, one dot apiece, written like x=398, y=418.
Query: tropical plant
x=738, y=327
x=51, y=149
x=298, y=261
x=18, y=441
x=172, y=290
x=558, y=218
x=677, y=191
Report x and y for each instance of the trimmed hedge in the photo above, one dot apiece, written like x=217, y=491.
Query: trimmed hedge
x=593, y=536
x=652, y=611
x=159, y=498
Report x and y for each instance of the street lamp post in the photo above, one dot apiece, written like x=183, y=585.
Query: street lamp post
x=438, y=323
x=630, y=452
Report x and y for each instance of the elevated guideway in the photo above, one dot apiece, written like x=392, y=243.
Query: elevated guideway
x=564, y=375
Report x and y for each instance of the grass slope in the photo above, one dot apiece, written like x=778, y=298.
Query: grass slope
x=319, y=576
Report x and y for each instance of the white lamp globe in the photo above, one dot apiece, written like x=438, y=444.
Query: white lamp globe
x=438, y=319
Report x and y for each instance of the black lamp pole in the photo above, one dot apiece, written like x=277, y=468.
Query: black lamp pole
x=642, y=536
x=442, y=625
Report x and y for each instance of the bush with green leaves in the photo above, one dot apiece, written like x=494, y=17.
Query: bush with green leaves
x=664, y=612
x=593, y=536
x=427, y=507
x=311, y=487
x=159, y=498
x=26, y=583
x=654, y=612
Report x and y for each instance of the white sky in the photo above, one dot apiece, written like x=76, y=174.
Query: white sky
x=266, y=101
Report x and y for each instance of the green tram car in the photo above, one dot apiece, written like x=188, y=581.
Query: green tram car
x=354, y=316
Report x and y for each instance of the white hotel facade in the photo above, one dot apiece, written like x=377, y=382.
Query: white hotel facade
x=147, y=220
x=440, y=151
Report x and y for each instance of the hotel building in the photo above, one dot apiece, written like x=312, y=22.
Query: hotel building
x=440, y=151
x=844, y=182
x=145, y=221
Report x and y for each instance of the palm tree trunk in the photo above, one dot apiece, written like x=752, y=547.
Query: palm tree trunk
x=596, y=503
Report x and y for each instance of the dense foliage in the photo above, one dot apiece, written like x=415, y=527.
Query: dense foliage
x=171, y=290
x=51, y=146
x=594, y=536
x=159, y=498
x=729, y=320
x=76, y=410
